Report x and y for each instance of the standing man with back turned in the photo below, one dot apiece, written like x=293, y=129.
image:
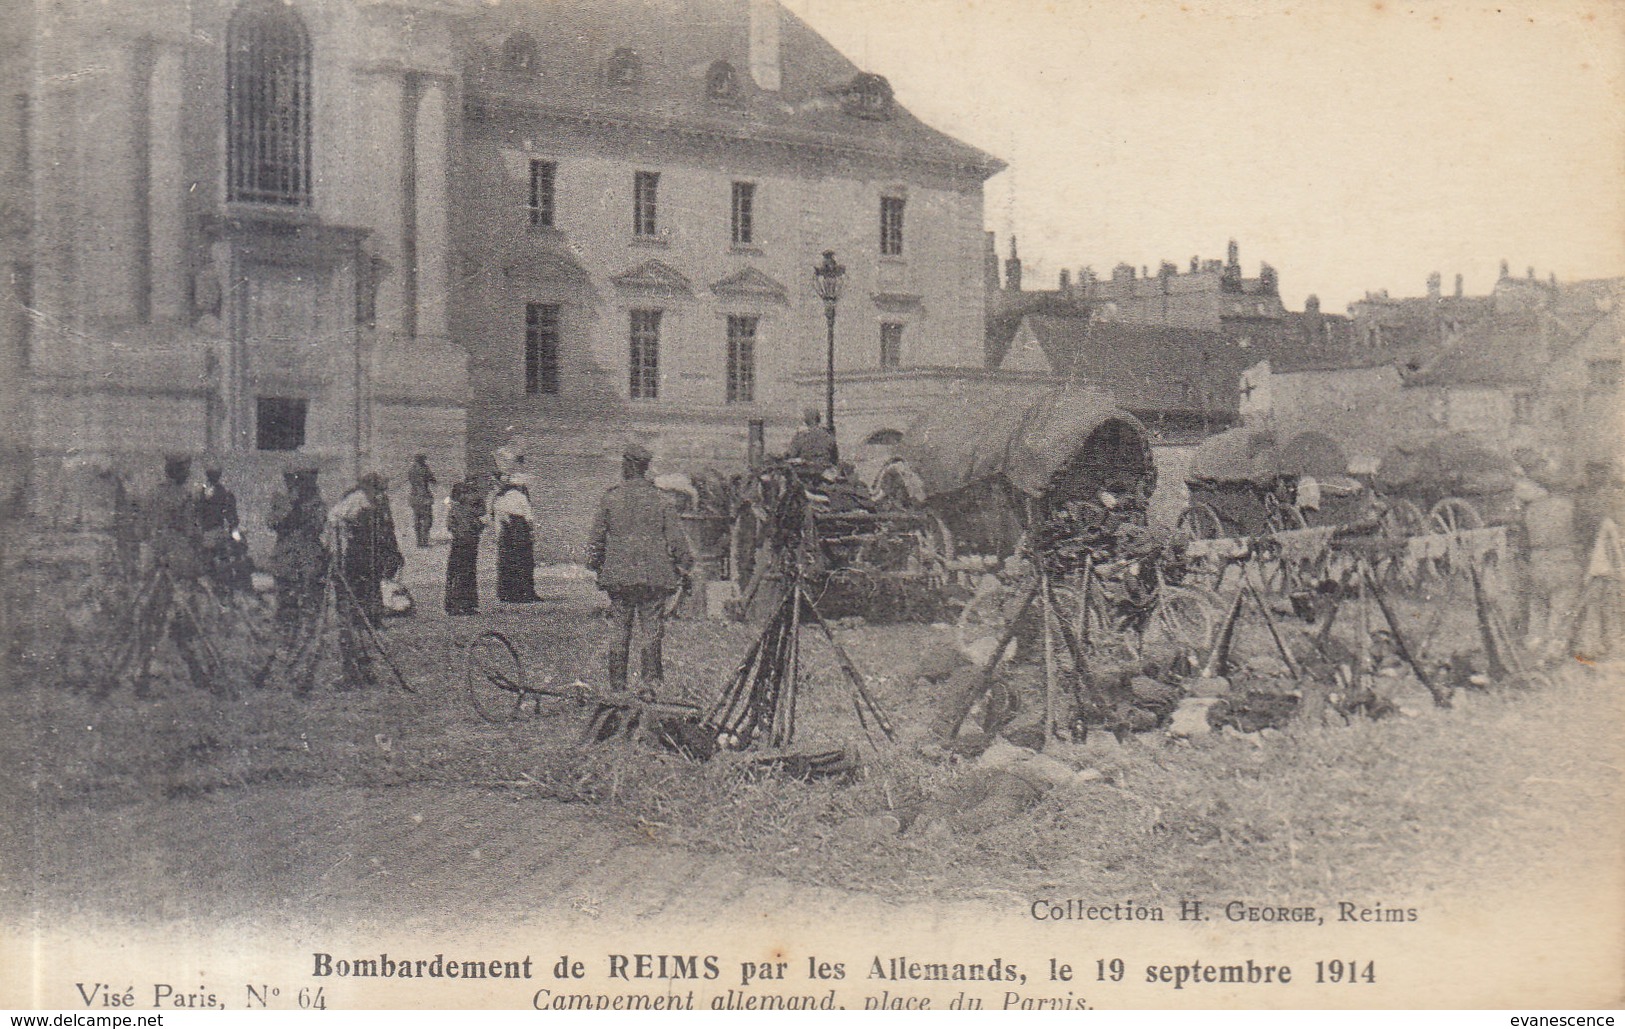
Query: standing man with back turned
x=641, y=555
x=420, y=483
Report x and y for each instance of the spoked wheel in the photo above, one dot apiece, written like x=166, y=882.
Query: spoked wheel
x=496, y=678
x=1452, y=515
x=1202, y=522
x=1184, y=617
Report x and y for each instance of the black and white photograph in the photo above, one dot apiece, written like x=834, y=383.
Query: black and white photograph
x=778, y=505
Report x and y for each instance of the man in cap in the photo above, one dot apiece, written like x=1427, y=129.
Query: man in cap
x=420, y=483
x=641, y=555
x=299, y=560
x=366, y=553
x=177, y=556
x=813, y=443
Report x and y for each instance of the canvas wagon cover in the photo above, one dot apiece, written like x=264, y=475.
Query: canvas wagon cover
x=1457, y=463
x=1237, y=455
x=972, y=442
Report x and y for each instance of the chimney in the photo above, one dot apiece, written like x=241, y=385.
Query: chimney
x=1506, y=272
x=1233, y=255
x=990, y=262
x=1012, y=269
x=1434, y=282
x=1458, y=285
x=764, y=43
x=1312, y=305
x=1530, y=274
x=1066, y=281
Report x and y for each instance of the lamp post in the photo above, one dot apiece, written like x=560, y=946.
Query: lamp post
x=827, y=280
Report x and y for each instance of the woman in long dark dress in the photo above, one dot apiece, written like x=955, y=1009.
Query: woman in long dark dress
x=516, y=549
x=466, y=521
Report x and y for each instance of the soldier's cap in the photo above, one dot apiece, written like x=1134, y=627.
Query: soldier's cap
x=374, y=481
x=174, y=459
x=811, y=415
x=637, y=453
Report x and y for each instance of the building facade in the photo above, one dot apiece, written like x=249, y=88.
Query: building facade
x=345, y=232
x=644, y=188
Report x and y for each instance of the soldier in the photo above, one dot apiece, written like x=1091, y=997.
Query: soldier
x=813, y=443
x=225, y=552
x=420, y=483
x=299, y=561
x=365, y=554
x=641, y=555
x=177, y=558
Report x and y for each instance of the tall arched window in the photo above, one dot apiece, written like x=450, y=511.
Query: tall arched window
x=267, y=105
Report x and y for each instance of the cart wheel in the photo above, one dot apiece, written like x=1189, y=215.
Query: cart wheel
x=496, y=678
x=1402, y=519
x=1201, y=521
x=1184, y=617
x=1452, y=515
x=935, y=550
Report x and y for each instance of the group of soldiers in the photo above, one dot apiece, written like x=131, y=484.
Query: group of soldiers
x=327, y=561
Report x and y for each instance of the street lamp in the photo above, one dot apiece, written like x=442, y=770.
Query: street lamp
x=827, y=280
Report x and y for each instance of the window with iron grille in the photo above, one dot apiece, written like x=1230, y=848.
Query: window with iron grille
x=1523, y=408
x=279, y=423
x=645, y=191
x=541, y=192
x=891, y=344
x=891, y=226
x=267, y=106
x=744, y=213
x=741, y=359
x=644, y=365
x=542, y=349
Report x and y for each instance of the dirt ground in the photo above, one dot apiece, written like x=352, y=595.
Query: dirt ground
x=407, y=807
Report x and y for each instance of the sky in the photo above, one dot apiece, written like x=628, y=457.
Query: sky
x=1354, y=146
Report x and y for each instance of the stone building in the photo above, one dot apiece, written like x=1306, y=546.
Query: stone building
x=346, y=231
x=237, y=241
x=644, y=188
x=1210, y=295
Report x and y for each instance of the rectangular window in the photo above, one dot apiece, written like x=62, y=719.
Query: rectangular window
x=542, y=349
x=744, y=204
x=1604, y=374
x=541, y=192
x=644, y=383
x=645, y=192
x=891, y=226
x=891, y=344
x=741, y=359
x=279, y=423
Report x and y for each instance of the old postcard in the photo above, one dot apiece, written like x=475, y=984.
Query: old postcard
x=811, y=504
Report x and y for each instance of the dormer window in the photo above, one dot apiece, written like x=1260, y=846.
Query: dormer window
x=519, y=57
x=625, y=69
x=868, y=96
x=721, y=82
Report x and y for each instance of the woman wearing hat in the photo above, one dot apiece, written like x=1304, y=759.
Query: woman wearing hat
x=516, y=539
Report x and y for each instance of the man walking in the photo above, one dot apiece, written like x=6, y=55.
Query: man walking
x=641, y=555
x=420, y=483
x=224, y=550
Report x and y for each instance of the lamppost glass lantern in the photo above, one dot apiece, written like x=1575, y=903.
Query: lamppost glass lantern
x=828, y=277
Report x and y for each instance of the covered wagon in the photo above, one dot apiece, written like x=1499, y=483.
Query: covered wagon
x=988, y=472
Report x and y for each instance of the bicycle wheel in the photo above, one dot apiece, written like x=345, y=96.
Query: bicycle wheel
x=496, y=678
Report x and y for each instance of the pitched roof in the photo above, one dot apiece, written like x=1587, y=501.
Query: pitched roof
x=1508, y=351
x=676, y=45
x=1145, y=366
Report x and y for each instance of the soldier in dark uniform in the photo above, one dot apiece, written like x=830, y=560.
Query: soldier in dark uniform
x=641, y=555
x=813, y=443
x=224, y=551
x=299, y=561
x=366, y=553
x=420, y=483
x=176, y=542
